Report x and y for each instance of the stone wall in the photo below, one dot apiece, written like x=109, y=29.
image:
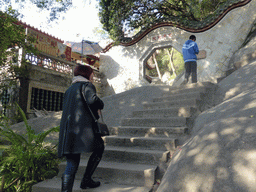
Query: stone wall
x=46, y=87
x=41, y=78
x=123, y=66
x=247, y=53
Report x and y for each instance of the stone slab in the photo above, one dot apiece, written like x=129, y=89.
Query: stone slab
x=55, y=184
x=147, y=131
x=162, y=122
x=172, y=111
x=133, y=155
x=187, y=102
x=160, y=143
x=119, y=173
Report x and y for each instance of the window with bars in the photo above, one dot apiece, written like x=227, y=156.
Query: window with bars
x=48, y=100
x=5, y=100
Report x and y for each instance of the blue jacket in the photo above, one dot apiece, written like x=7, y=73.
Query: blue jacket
x=189, y=51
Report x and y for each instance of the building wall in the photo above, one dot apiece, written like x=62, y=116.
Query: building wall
x=43, y=79
x=123, y=67
x=44, y=86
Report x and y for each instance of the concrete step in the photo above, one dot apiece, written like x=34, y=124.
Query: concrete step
x=183, y=89
x=174, y=103
x=192, y=85
x=54, y=185
x=118, y=173
x=155, y=122
x=133, y=155
x=176, y=97
x=168, y=112
x=221, y=78
x=153, y=143
x=147, y=131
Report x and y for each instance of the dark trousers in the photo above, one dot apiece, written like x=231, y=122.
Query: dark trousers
x=73, y=160
x=191, y=69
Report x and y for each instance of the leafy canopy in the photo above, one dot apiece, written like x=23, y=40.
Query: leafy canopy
x=119, y=17
x=12, y=38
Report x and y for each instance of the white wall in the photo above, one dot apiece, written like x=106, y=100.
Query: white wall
x=123, y=66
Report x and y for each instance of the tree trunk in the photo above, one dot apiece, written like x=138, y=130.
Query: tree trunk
x=157, y=68
x=172, y=65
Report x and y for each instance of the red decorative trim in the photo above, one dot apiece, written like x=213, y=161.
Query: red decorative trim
x=109, y=46
x=164, y=24
x=39, y=31
x=150, y=67
x=93, y=57
x=148, y=78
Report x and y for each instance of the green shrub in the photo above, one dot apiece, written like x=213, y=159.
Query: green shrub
x=28, y=160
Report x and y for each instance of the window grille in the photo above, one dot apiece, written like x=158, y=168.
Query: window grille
x=49, y=100
x=5, y=100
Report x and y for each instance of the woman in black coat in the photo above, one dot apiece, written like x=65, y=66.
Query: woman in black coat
x=77, y=129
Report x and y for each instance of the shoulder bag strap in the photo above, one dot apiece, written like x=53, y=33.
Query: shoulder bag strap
x=83, y=87
x=101, y=116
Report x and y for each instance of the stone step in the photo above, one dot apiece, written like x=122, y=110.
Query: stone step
x=136, y=150
x=118, y=173
x=155, y=122
x=175, y=103
x=193, y=85
x=54, y=185
x=133, y=155
x=184, y=89
x=147, y=131
x=168, y=112
x=153, y=143
x=176, y=97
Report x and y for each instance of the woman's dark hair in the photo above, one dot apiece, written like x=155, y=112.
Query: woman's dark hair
x=83, y=70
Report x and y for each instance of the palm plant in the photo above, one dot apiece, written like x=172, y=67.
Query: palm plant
x=28, y=160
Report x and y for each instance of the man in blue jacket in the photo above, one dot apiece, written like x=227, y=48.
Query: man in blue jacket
x=189, y=50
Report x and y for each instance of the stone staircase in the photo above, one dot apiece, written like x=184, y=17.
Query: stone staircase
x=137, y=152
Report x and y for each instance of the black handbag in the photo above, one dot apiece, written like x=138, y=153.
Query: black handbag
x=102, y=128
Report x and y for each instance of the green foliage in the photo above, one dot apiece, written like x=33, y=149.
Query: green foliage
x=178, y=62
x=12, y=40
x=164, y=64
x=111, y=16
x=119, y=17
x=12, y=37
x=28, y=160
x=3, y=120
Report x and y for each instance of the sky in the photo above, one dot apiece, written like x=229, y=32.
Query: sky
x=76, y=24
